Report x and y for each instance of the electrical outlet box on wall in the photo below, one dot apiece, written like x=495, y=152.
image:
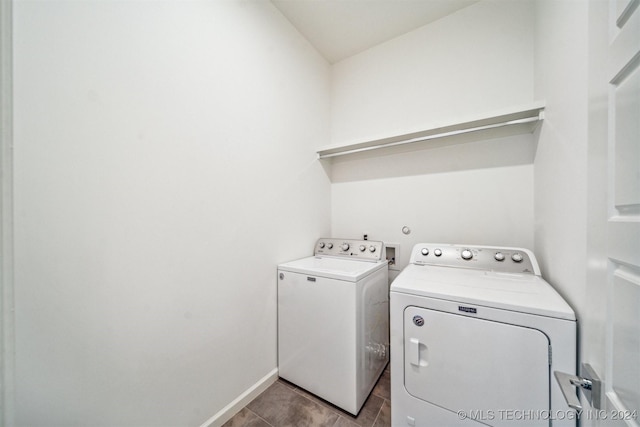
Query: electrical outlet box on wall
x=392, y=255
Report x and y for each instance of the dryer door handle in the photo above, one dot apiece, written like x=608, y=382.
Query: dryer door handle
x=414, y=351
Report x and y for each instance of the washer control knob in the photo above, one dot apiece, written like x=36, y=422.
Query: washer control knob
x=499, y=256
x=424, y=251
x=437, y=252
x=466, y=254
x=321, y=245
x=329, y=245
x=517, y=257
x=372, y=249
x=345, y=246
x=363, y=248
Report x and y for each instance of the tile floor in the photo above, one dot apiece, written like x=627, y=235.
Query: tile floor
x=284, y=404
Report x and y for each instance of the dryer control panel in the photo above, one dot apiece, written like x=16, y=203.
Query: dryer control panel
x=365, y=250
x=490, y=258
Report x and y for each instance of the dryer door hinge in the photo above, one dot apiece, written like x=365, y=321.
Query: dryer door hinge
x=550, y=355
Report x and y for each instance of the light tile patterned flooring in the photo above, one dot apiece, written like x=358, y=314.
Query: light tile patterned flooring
x=285, y=405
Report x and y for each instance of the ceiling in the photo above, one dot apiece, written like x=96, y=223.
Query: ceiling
x=342, y=28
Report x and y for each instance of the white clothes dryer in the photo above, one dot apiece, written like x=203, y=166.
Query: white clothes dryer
x=475, y=336
x=333, y=320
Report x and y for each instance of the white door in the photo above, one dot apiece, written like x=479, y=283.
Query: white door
x=622, y=373
x=482, y=367
x=612, y=332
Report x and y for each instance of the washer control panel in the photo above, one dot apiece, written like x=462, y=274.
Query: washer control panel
x=366, y=250
x=491, y=258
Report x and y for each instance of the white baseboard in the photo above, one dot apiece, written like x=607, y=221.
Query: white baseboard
x=226, y=413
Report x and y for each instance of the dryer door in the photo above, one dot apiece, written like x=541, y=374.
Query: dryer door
x=496, y=373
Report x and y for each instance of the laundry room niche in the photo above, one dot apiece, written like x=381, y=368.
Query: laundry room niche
x=457, y=185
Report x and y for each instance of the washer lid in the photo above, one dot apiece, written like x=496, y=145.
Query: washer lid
x=525, y=293
x=333, y=268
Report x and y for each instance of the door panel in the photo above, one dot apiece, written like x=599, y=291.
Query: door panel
x=478, y=366
x=626, y=338
x=627, y=148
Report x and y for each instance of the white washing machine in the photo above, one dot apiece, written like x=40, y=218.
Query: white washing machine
x=476, y=334
x=333, y=320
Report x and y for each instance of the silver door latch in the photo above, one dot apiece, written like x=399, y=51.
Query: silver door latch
x=589, y=383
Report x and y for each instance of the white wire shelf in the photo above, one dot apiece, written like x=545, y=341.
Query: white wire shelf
x=522, y=120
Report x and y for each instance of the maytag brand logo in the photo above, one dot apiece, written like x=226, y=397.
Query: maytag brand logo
x=467, y=309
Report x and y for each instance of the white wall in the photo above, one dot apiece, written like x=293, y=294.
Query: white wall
x=561, y=158
x=594, y=329
x=453, y=207
x=477, y=60
x=6, y=214
x=571, y=164
x=464, y=190
x=164, y=165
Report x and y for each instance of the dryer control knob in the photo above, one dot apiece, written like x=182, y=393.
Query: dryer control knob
x=466, y=254
x=329, y=245
x=424, y=251
x=517, y=257
x=345, y=246
x=437, y=252
x=363, y=248
x=321, y=245
x=499, y=256
x=372, y=249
